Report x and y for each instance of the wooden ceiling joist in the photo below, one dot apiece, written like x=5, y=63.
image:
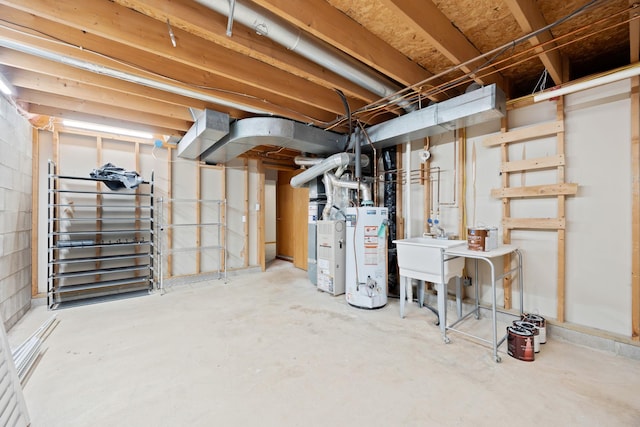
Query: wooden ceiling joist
x=530, y=19
x=203, y=22
x=107, y=110
x=426, y=18
x=132, y=29
x=334, y=27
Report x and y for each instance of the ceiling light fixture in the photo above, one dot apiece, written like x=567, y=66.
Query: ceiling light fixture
x=622, y=74
x=106, y=129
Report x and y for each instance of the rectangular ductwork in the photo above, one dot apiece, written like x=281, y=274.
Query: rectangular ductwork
x=478, y=106
x=209, y=128
x=248, y=133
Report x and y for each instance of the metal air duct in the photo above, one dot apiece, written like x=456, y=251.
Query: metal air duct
x=248, y=133
x=269, y=25
x=207, y=129
x=478, y=106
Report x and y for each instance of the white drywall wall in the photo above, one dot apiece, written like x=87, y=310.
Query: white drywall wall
x=598, y=218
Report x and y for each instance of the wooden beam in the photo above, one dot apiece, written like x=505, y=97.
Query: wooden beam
x=262, y=257
x=546, y=190
x=130, y=28
x=425, y=18
x=180, y=75
x=27, y=62
x=634, y=34
x=69, y=88
x=534, y=223
x=562, y=259
x=87, y=117
x=506, y=213
x=207, y=24
x=523, y=134
x=530, y=19
x=533, y=164
x=246, y=212
x=113, y=111
x=329, y=24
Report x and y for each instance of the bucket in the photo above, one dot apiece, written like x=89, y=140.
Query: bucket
x=539, y=322
x=533, y=328
x=520, y=343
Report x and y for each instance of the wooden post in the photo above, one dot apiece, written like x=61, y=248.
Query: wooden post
x=169, y=208
x=261, y=218
x=246, y=213
x=506, y=213
x=198, y=229
x=561, y=215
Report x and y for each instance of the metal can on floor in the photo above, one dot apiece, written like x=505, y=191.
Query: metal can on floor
x=520, y=343
x=533, y=328
x=540, y=322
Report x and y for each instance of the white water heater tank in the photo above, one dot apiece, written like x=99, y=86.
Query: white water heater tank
x=366, y=257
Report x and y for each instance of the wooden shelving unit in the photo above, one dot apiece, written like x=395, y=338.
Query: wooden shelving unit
x=100, y=243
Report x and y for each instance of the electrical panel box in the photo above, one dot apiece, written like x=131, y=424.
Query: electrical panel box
x=331, y=250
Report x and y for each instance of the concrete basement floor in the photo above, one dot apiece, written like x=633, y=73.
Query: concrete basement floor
x=268, y=349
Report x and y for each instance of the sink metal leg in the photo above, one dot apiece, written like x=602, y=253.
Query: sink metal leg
x=403, y=292
x=459, y=296
x=421, y=293
x=442, y=310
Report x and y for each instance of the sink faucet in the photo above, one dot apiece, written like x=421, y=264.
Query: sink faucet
x=440, y=232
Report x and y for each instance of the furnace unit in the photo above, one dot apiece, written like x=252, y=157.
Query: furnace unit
x=331, y=256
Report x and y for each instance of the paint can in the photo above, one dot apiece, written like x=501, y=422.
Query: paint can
x=540, y=322
x=520, y=343
x=476, y=238
x=482, y=239
x=533, y=328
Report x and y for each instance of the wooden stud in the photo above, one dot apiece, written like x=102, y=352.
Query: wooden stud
x=524, y=133
x=35, y=179
x=246, y=213
x=533, y=223
x=635, y=208
x=506, y=213
x=198, y=207
x=561, y=282
x=534, y=164
x=546, y=190
x=261, y=217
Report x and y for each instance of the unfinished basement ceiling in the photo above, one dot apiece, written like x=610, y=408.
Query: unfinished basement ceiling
x=61, y=55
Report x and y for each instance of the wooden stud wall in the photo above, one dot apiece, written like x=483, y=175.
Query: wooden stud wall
x=559, y=189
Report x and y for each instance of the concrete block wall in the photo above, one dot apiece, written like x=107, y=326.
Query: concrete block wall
x=15, y=214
